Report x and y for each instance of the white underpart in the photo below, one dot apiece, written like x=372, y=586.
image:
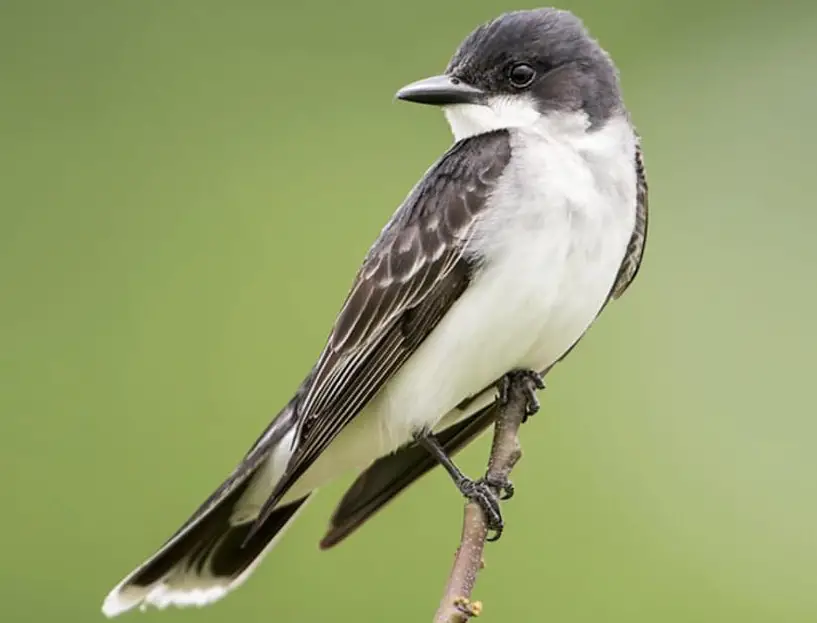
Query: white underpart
x=550, y=253
x=262, y=484
x=551, y=250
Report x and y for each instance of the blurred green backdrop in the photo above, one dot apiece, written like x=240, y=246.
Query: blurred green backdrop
x=187, y=190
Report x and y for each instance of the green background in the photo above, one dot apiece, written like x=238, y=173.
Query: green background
x=187, y=189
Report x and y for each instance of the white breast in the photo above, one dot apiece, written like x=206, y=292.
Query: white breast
x=553, y=253
x=550, y=251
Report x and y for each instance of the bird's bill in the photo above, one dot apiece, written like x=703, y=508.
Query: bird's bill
x=440, y=91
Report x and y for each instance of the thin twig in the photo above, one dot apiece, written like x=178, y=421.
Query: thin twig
x=456, y=605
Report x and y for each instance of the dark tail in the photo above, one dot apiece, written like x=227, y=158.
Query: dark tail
x=208, y=556
x=202, y=563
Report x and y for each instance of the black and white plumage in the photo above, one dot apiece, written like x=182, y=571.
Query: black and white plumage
x=413, y=274
x=500, y=258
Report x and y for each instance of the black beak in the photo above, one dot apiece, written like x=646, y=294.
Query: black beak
x=440, y=91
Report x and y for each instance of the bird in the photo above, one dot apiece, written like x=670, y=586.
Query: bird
x=495, y=265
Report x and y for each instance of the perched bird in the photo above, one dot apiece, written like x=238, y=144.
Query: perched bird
x=496, y=263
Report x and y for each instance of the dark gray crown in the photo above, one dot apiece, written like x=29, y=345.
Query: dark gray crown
x=572, y=71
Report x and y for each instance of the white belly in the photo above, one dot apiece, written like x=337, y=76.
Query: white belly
x=549, y=261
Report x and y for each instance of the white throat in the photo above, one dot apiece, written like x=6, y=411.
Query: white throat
x=500, y=113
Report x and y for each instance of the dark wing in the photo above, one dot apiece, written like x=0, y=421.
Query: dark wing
x=410, y=277
x=638, y=241
x=388, y=476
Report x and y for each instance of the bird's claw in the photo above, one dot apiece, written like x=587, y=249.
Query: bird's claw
x=480, y=492
x=532, y=382
x=501, y=484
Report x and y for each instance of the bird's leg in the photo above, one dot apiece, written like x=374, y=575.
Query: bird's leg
x=478, y=491
x=532, y=382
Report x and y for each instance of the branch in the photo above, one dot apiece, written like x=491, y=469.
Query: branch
x=456, y=605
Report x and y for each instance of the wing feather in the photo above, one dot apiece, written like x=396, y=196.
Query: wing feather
x=638, y=240
x=412, y=274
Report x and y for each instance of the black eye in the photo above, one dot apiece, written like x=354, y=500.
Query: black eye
x=522, y=75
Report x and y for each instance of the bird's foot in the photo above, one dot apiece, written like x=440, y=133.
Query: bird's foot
x=481, y=492
x=501, y=484
x=531, y=381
